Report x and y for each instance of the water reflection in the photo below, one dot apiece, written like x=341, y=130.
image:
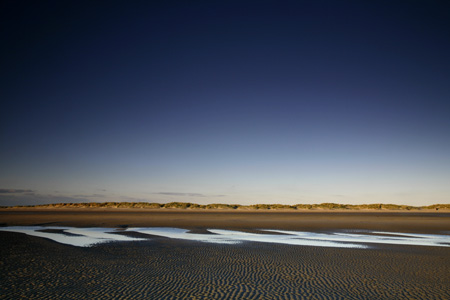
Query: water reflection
x=81, y=237
x=86, y=237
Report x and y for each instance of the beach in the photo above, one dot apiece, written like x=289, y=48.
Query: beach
x=419, y=222
x=166, y=268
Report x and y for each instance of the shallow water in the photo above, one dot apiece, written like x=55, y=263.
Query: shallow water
x=80, y=237
x=375, y=237
x=86, y=237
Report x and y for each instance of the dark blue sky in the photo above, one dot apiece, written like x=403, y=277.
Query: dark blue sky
x=231, y=101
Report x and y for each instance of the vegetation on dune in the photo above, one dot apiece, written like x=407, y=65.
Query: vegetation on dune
x=187, y=205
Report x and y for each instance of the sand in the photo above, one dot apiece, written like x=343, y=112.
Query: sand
x=421, y=222
x=162, y=268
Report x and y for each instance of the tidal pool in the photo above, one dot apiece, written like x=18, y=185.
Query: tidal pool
x=86, y=237
x=81, y=237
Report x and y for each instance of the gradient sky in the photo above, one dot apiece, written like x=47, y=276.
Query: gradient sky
x=225, y=101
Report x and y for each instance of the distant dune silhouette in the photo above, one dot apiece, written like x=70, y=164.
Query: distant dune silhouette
x=188, y=205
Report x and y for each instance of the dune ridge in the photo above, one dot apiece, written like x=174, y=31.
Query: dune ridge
x=188, y=205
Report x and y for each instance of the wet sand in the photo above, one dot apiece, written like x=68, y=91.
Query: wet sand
x=162, y=268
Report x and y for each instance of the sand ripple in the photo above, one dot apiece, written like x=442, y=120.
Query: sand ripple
x=160, y=268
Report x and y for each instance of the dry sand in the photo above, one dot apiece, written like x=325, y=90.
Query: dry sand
x=161, y=268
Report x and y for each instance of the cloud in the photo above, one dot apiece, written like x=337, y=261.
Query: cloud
x=14, y=191
x=181, y=194
x=89, y=196
x=132, y=199
x=187, y=194
x=35, y=199
x=25, y=197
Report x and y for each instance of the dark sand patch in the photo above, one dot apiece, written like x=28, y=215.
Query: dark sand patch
x=200, y=231
x=59, y=231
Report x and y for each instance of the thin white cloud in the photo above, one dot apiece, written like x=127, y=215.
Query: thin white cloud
x=187, y=194
x=15, y=191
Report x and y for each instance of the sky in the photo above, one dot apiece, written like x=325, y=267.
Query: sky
x=237, y=102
